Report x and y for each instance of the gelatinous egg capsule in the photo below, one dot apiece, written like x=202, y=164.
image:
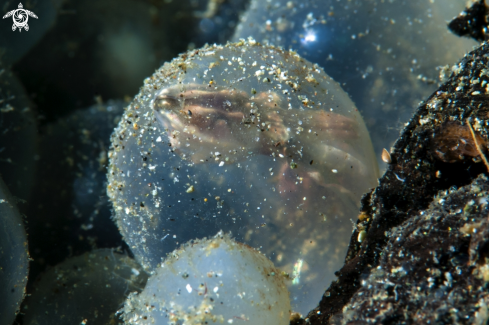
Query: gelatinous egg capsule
x=250, y=139
x=14, y=257
x=60, y=294
x=215, y=280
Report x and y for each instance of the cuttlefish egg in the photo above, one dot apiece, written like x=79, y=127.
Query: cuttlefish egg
x=85, y=289
x=212, y=281
x=250, y=139
x=14, y=258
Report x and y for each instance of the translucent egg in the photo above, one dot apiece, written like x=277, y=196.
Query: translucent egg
x=249, y=139
x=71, y=180
x=14, y=258
x=18, y=136
x=212, y=281
x=86, y=289
x=385, y=54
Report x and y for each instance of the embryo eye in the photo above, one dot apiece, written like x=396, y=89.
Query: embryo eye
x=232, y=140
x=166, y=102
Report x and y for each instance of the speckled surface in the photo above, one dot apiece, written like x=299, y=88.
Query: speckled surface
x=212, y=281
x=246, y=138
x=472, y=22
x=433, y=268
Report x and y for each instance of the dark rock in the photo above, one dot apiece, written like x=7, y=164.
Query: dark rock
x=423, y=257
x=426, y=273
x=472, y=22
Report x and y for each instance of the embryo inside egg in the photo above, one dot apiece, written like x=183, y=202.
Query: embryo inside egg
x=244, y=138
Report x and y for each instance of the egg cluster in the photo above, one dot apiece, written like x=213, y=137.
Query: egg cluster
x=250, y=139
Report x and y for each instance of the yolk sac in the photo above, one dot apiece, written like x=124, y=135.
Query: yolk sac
x=244, y=138
x=215, y=281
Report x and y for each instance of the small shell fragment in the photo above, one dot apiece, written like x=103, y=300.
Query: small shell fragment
x=386, y=156
x=361, y=236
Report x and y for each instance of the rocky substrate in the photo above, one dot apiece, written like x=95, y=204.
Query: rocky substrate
x=420, y=250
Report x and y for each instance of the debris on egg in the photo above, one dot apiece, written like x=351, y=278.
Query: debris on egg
x=384, y=76
x=201, y=131
x=212, y=281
